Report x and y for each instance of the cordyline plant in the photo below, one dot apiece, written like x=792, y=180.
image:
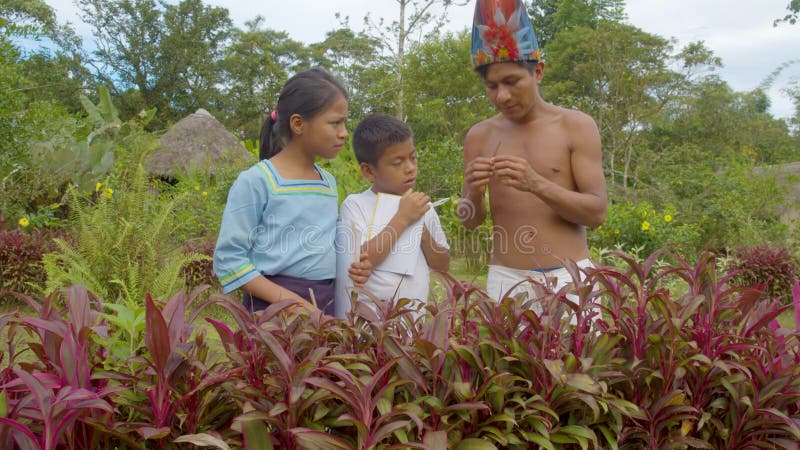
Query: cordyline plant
x=46, y=402
x=654, y=355
x=67, y=398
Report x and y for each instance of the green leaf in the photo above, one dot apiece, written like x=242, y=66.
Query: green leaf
x=317, y=440
x=475, y=444
x=584, y=383
x=255, y=435
x=203, y=440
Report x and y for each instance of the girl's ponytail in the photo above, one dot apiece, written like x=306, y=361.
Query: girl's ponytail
x=270, y=140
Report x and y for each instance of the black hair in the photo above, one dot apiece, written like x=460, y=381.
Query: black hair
x=307, y=94
x=376, y=132
x=529, y=65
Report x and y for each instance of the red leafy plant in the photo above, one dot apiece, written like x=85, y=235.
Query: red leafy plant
x=68, y=398
x=708, y=365
x=47, y=401
x=659, y=354
x=773, y=267
x=21, y=257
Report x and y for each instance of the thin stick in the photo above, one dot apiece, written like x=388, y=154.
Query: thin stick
x=496, y=149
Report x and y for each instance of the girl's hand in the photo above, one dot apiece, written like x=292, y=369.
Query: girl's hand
x=413, y=205
x=303, y=303
x=360, y=271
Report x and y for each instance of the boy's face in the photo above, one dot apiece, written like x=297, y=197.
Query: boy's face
x=396, y=171
x=512, y=88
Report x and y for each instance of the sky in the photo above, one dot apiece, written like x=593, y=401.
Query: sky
x=738, y=31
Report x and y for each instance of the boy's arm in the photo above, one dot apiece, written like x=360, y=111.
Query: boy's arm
x=438, y=256
x=348, y=240
x=412, y=206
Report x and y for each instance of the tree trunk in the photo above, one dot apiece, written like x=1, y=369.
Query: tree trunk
x=401, y=43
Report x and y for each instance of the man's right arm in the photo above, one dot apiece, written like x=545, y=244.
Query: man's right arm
x=471, y=208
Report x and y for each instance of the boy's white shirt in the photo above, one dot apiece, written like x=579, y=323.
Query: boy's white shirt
x=405, y=272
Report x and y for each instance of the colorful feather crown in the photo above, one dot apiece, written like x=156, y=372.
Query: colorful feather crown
x=502, y=32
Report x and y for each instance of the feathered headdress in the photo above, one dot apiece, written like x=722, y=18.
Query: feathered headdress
x=501, y=32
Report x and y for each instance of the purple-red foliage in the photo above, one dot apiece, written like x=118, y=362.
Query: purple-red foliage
x=660, y=356
x=773, y=267
x=21, y=257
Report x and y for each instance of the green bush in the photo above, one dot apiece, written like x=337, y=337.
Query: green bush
x=640, y=228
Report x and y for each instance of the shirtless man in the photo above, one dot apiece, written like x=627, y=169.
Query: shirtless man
x=541, y=163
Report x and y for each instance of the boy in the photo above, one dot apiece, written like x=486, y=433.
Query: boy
x=541, y=163
x=404, y=241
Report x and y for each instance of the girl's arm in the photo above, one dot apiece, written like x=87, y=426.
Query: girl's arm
x=272, y=292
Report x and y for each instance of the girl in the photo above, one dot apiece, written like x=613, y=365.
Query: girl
x=276, y=241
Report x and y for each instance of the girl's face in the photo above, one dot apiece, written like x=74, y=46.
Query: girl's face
x=324, y=134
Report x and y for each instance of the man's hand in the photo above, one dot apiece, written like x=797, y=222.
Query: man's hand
x=360, y=271
x=477, y=176
x=516, y=172
x=413, y=205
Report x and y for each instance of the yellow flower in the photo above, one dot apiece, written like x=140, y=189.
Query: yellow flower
x=616, y=231
x=668, y=218
x=204, y=194
x=108, y=192
x=645, y=225
x=24, y=222
x=502, y=53
x=196, y=187
x=97, y=186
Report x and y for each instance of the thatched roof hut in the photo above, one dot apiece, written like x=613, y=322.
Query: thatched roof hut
x=196, y=142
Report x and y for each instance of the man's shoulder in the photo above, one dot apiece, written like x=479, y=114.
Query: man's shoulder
x=484, y=128
x=574, y=117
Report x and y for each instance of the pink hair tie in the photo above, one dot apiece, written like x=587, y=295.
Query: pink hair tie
x=274, y=115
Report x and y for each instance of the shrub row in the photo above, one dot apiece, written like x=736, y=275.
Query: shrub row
x=644, y=366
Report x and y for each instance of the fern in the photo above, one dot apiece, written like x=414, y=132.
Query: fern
x=123, y=248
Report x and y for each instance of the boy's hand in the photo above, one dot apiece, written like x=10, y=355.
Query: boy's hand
x=360, y=271
x=413, y=205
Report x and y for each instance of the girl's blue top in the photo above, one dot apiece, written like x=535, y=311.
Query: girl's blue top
x=274, y=226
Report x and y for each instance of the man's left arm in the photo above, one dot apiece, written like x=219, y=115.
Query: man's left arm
x=587, y=204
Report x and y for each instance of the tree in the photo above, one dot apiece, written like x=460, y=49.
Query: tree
x=53, y=71
x=621, y=76
x=168, y=53
x=31, y=12
x=256, y=64
x=191, y=53
x=444, y=99
x=794, y=9
x=413, y=17
x=551, y=16
x=355, y=58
